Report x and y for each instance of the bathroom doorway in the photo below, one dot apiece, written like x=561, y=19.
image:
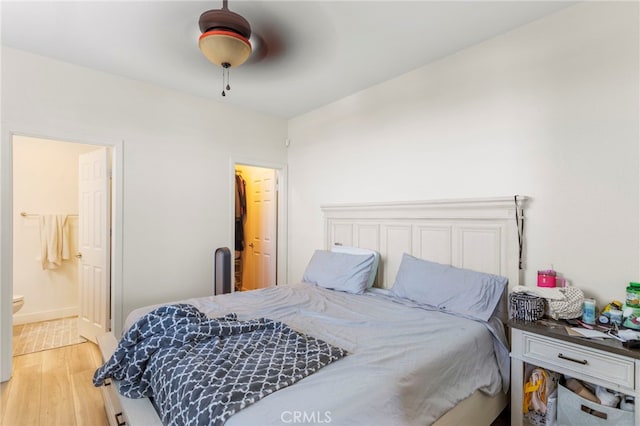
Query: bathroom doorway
x=51, y=182
x=258, y=228
x=9, y=216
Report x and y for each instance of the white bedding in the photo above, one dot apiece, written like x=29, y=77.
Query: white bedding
x=406, y=365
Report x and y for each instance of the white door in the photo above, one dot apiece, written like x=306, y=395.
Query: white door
x=94, y=244
x=261, y=229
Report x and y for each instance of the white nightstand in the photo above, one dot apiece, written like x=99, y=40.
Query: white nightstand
x=546, y=344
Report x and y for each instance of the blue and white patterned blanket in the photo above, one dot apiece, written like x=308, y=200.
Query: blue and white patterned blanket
x=200, y=371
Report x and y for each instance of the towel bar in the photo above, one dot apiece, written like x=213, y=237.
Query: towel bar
x=25, y=214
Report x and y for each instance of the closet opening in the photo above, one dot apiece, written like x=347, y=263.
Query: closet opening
x=258, y=226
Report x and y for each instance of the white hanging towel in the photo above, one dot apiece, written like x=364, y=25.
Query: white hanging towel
x=54, y=240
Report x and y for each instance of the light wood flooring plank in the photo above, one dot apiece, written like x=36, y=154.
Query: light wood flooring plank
x=54, y=387
x=83, y=358
x=89, y=406
x=56, y=402
x=23, y=403
x=5, y=388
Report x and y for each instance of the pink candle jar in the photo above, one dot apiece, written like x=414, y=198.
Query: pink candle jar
x=547, y=278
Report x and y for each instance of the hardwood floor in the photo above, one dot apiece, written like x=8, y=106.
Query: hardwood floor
x=54, y=387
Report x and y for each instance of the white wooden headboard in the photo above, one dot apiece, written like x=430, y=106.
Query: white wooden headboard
x=481, y=234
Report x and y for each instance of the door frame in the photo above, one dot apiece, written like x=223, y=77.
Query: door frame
x=6, y=229
x=282, y=209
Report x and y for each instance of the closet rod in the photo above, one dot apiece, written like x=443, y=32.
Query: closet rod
x=25, y=214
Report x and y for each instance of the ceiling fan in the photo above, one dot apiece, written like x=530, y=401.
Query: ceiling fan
x=225, y=40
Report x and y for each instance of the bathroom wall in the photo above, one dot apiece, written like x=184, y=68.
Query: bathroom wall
x=45, y=178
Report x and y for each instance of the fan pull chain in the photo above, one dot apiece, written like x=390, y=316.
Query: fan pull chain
x=225, y=78
x=223, y=93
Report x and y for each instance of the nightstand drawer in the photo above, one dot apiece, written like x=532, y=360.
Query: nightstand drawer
x=568, y=356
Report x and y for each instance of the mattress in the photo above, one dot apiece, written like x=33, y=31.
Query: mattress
x=406, y=365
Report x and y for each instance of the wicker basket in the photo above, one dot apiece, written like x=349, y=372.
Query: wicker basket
x=527, y=307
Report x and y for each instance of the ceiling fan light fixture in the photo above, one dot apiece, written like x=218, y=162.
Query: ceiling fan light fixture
x=224, y=40
x=225, y=48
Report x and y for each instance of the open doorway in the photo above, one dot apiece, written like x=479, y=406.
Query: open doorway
x=61, y=242
x=12, y=216
x=258, y=225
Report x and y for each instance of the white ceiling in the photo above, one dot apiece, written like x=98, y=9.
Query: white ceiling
x=318, y=51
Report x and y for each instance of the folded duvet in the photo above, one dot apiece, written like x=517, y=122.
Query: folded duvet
x=200, y=370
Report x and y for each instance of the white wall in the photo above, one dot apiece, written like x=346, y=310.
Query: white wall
x=549, y=110
x=45, y=180
x=177, y=151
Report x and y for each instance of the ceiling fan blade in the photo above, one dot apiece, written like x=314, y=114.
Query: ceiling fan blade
x=267, y=46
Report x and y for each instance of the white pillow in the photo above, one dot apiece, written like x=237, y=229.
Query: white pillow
x=361, y=251
x=339, y=271
x=455, y=290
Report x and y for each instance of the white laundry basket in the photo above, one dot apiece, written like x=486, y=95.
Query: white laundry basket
x=573, y=410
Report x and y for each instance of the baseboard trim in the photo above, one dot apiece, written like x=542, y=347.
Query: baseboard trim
x=27, y=318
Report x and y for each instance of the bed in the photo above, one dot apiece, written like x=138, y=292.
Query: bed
x=407, y=361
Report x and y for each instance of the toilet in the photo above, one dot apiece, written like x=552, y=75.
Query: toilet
x=18, y=301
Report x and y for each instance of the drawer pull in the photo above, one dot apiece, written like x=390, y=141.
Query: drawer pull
x=593, y=412
x=122, y=422
x=107, y=382
x=579, y=361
